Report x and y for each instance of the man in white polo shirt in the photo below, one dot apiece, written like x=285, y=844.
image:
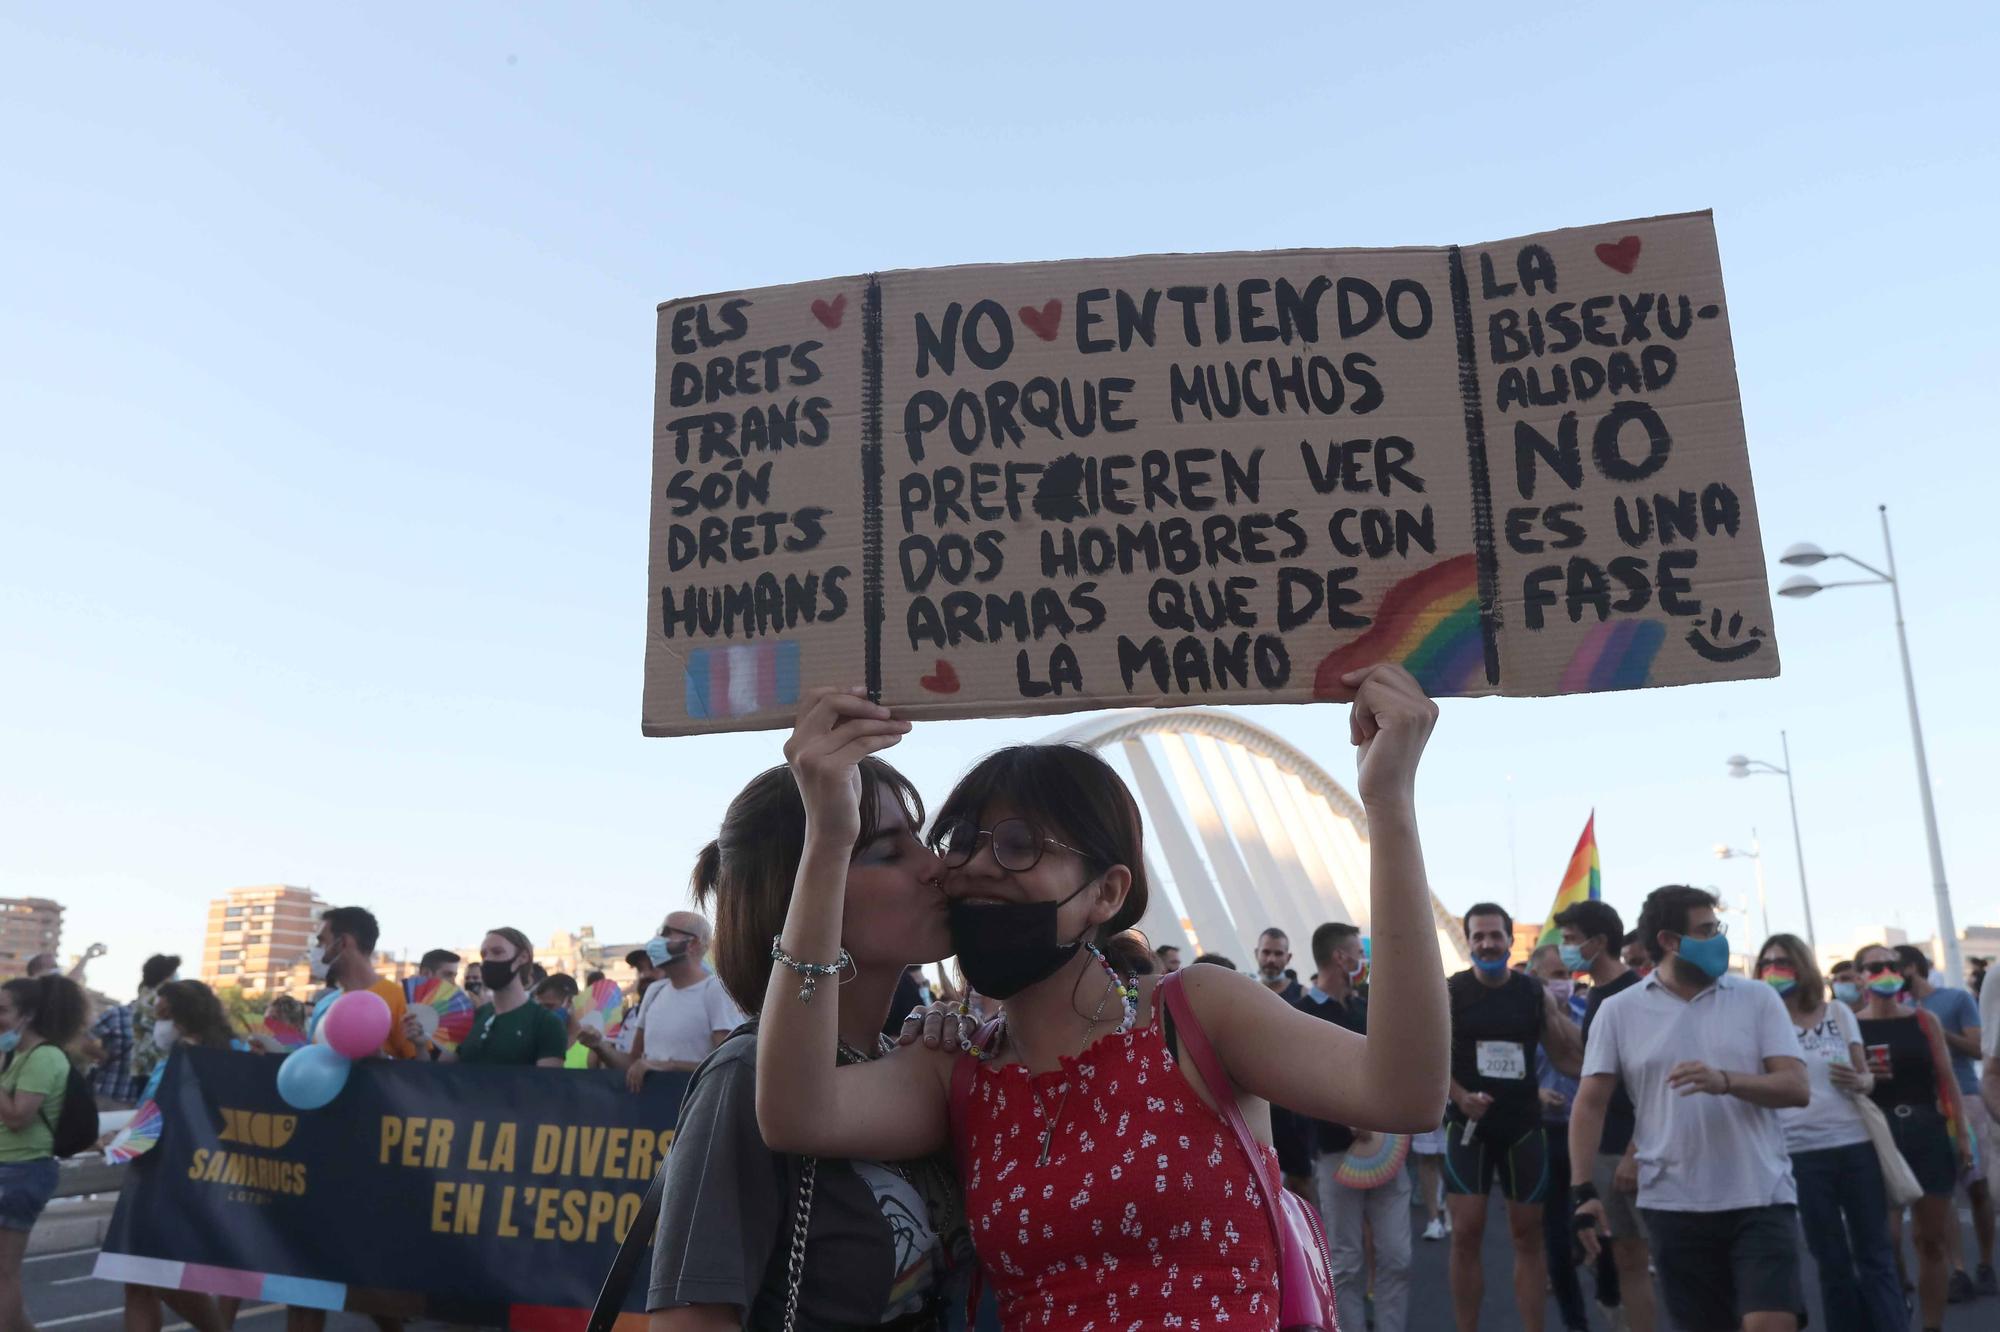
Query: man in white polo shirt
x=1708, y=1058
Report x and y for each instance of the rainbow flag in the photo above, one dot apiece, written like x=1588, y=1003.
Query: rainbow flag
x=1429, y=625
x=1583, y=881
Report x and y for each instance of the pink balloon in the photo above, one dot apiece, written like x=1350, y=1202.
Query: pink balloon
x=357, y=1024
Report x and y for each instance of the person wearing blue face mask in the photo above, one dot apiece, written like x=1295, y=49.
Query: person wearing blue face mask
x=1592, y=935
x=1493, y=1128
x=1709, y=1059
x=685, y=1014
x=1846, y=982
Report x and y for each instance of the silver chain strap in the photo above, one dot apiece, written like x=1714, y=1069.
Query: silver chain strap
x=797, y=1269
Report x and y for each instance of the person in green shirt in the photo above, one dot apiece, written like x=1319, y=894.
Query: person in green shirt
x=511, y=1029
x=39, y=1019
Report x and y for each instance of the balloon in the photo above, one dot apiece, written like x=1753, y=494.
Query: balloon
x=311, y=1076
x=357, y=1024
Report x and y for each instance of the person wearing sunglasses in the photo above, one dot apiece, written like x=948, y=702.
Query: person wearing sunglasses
x=1080, y=1124
x=1843, y=1202
x=1914, y=1086
x=1957, y=1012
x=686, y=1013
x=1709, y=1059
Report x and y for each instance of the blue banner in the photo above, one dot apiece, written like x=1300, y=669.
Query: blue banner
x=481, y=1195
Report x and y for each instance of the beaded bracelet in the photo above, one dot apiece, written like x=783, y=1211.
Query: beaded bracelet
x=809, y=971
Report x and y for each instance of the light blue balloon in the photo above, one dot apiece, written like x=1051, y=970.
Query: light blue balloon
x=311, y=1076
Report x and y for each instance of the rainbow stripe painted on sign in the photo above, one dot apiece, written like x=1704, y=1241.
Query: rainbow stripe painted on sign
x=1428, y=624
x=735, y=681
x=1615, y=655
x=1582, y=881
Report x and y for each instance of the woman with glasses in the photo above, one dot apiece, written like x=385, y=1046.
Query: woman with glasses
x=751, y=1237
x=1842, y=1201
x=1103, y=1186
x=1914, y=1086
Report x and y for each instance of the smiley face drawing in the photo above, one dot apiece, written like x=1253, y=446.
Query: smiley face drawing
x=1715, y=641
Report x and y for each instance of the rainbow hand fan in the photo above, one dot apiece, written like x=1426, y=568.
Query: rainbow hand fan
x=1373, y=1160
x=280, y=1036
x=442, y=1009
x=139, y=1136
x=607, y=1006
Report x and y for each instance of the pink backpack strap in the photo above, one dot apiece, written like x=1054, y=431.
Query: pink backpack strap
x=1193, y=1040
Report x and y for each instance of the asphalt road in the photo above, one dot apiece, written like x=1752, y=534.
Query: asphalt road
x=61, y=1293
x=1430, y=1288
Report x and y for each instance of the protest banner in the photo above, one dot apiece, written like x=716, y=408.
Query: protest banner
x=1516, y=468
x=489, y=1196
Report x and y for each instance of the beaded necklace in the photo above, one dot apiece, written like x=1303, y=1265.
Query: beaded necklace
x=1128, y=992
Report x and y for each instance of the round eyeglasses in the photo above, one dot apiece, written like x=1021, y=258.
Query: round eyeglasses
x=1017, y=844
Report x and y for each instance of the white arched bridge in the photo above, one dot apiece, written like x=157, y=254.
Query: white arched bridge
x=1244, y=832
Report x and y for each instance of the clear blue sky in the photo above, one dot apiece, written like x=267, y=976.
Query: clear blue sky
x=326, y=372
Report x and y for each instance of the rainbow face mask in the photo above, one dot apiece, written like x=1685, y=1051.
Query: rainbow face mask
x=1781, y=979
x=1887, y=983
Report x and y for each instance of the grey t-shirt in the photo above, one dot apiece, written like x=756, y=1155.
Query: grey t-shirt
x=884, y=1241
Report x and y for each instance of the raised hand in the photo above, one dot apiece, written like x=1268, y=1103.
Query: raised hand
x=1390, y=722
x=835, y=730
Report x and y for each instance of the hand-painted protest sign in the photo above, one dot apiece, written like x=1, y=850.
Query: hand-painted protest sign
x=489, y=1196
x=1516, y=468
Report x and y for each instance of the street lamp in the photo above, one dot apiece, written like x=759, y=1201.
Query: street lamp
x=1755, y=855
x=1739, y=766
x=1805, y=555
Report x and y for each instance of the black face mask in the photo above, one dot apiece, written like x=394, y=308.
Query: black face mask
x=496, y=975
x=1004, y=947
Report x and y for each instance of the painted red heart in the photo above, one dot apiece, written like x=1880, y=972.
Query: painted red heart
x=1045, y=321
x=944, y=680
x=1624, y=256
x=829, y=313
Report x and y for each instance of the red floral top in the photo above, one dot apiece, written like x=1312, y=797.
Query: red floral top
x=1147, y=1214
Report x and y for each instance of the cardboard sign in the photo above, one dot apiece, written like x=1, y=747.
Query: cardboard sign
x=1516, y=468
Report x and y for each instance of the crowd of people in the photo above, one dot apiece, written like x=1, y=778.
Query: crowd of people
x=1089, y=1133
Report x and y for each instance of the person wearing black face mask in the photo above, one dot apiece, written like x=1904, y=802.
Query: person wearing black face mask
x=510, y=1029
x=1087, y=1127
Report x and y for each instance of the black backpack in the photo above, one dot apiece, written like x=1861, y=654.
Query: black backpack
x=75, y=1128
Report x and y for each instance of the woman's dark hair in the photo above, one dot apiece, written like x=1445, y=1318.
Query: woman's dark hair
x=1070, y=794
x=744, y=877
x=158, y=967
x=1130, y=954
x=51, y=1006
x=197, y=1014
x=1811, y=989
x=1668, y=909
